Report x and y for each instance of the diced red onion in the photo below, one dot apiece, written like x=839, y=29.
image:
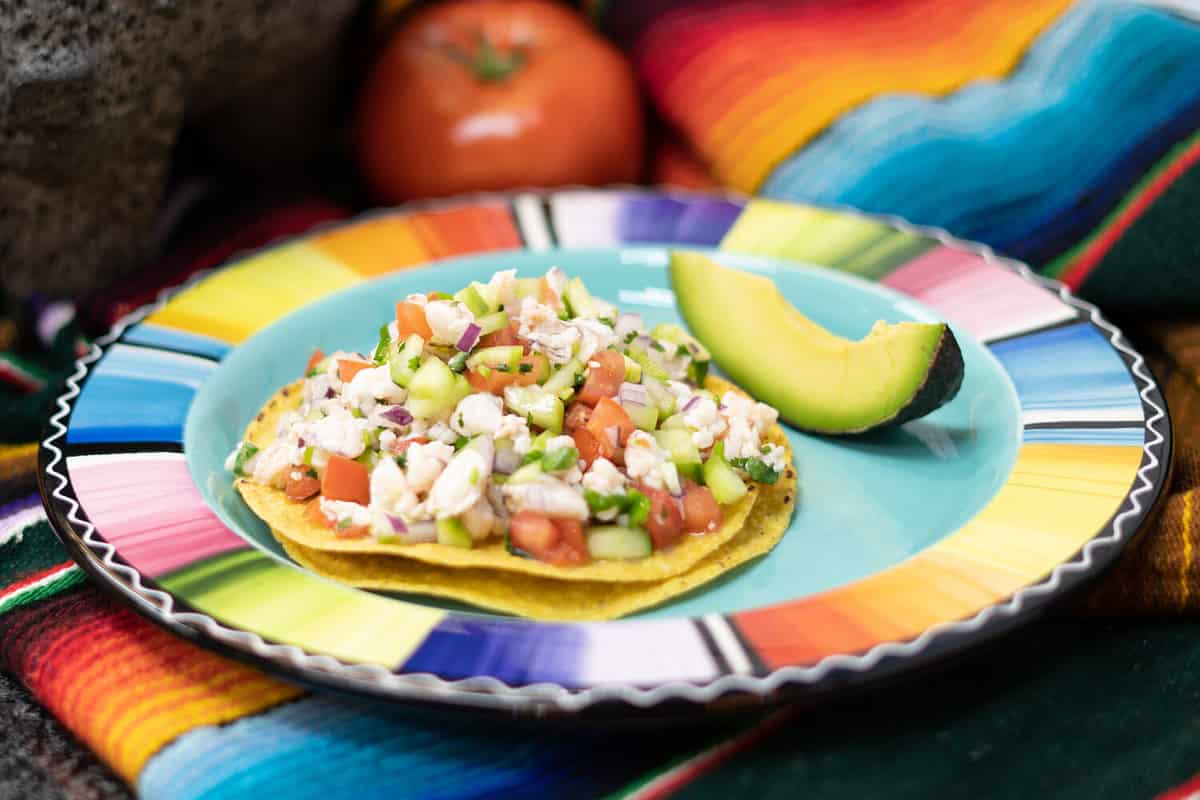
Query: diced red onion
x=693, y=348
x=469, y=337
x=397, y=523
x=688, y=405
x=397, y=414
x=633, y=394
x=330, y=393
x=421, y=532
x=507, y=461
x=300, y=442
x=613, y=433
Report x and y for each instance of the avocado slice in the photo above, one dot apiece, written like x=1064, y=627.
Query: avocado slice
x=818, y=381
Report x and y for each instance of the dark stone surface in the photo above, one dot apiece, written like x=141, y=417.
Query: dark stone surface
x=40, y=760
x=93, y=94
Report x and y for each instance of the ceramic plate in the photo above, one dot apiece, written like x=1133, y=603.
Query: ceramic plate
x=904, y=547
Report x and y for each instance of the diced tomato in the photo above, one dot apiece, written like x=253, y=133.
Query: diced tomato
x=316, y=358
x=604, y=380
x=608, y=414
x=589, y=447
x=353, y=532
x=302, y=488
x=410, y=318
x=532, y=532
x=399, y=447
x=346, y=479
x=506, y=337
x=700, y=510
x=312, y=512
x=576, y=417
x=572, y=547
x=347, y=369
x=665, y=522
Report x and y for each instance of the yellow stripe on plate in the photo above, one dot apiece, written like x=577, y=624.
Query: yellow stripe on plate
x=1057, y=498
x=286, y=605
x=239, y=300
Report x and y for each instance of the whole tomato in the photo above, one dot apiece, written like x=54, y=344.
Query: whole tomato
x=475, y=95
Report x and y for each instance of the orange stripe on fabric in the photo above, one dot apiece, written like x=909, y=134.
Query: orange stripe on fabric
x=143, y=683
x=1075, y=273
x=467, y=229
x=375, y=246
x=771, y=79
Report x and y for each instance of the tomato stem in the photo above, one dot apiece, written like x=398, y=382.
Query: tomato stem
x=487, y=63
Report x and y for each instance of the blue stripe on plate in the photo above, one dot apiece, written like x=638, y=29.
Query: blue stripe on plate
x=679, y=220
x=1070, y=373
x=322, y=747
x=137, y=394
x=513, y=652
x=181, y=341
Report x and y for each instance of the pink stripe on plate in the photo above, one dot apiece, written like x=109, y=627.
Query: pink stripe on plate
x=985, y=299
x=147, y=507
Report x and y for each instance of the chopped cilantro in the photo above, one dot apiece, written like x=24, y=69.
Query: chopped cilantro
x=461, y=442
x=579, y=380
x=513, y=549
x=310, y=472
x=525, y=367
x=414, y=363
x=380, y=356
x=602, y=502
x=313, y=372
x=756, y=468
x=657, y=345
x=697, y=372
x=502, y=368
x=343, y=523
x=402, y=461
x=458, y=363
x=608, y=321
x=531, y=456
x=629, y=337
x=682, y=351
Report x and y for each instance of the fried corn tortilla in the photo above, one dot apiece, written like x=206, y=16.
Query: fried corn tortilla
x=555, y=599
x=310, y=540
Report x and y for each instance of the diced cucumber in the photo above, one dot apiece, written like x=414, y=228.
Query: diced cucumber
x=577, y=298
x=369, y=459
x=541, y=440
x=633, y=370
x=539, y=366
x=562, y=383
x=491, y=323
x=246, y=452
x=492, y=357
x=435, y=389
x=451, y=531
x=614, y=542
x=724, y=483
x=559, y=459
x=692, y=471
x=476, y=298
x=527, y=474
x=527, y=287
x=674, y=421
x=537, y=405
x=648, y=366
x=404, y=358
x=645, y=417
x=678, y=444
x=314, y=415
x=660, y=395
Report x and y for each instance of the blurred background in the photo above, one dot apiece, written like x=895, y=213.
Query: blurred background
x=140, y=141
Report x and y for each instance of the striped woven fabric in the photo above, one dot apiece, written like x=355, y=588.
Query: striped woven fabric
x=1063, y=133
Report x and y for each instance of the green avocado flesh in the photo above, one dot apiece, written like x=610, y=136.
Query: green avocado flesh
x=818, y=381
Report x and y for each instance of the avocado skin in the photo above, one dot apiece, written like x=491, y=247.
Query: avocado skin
x=942, y=381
